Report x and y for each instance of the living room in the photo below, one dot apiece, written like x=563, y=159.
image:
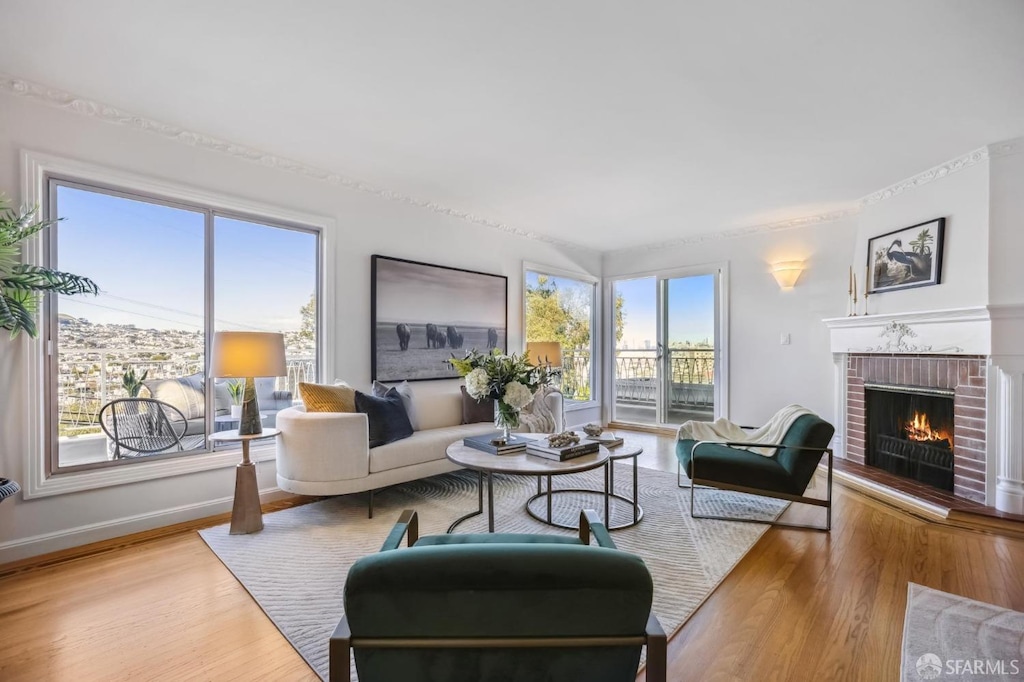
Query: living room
x=609, y=146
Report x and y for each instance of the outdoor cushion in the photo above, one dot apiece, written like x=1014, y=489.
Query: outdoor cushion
x=187, y=394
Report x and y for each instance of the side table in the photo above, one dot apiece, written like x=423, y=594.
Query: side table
x=624, y=451
x=246, y=513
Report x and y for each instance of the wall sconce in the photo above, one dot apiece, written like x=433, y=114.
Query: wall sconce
x=787, y=273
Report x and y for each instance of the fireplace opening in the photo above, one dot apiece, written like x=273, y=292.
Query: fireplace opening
x=910, y=433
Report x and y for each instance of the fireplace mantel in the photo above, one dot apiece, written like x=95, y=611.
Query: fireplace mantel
x=957, y=331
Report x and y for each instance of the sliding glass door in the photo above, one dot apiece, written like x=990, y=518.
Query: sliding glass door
x=667, y=362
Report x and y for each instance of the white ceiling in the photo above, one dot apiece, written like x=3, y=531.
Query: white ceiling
x=608, y=123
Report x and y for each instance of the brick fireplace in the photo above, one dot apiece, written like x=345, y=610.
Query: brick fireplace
x=962, y=377
x=971, y=356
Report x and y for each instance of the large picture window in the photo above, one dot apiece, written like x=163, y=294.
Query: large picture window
x=127, y=376
x=561, y=309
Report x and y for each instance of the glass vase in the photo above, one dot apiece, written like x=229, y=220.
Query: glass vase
x=506, y=418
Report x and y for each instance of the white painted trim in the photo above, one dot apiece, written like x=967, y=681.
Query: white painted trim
x=110, y=114
x=64, y=100
x=36, y=167
x=891, y=496
x=839, y=371
x=722, y=406
x=43, y=543
x=957, y=331
x=596, y=308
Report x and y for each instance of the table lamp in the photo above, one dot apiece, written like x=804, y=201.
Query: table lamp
x=546, y=354
x=246, y=355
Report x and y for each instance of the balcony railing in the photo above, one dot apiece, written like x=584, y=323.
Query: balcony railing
x=87, y=379
x=636, y=371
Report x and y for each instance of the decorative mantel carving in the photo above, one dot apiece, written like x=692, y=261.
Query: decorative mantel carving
x=894, y=334
x=961, y=331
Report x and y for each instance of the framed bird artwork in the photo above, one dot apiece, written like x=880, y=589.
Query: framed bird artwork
x=906, y=258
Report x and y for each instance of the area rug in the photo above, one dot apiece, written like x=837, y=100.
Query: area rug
x=295, y=567
x=949, y=637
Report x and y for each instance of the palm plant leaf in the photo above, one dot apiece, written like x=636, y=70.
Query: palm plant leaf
x=35, y=278
x=21, y=283
x=16, y=316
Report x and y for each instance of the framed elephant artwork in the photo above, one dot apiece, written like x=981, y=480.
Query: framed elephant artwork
x=422, y=314
x=906, y=258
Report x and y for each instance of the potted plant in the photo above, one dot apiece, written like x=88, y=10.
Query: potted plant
x=133, y=384
x=21, y=284
x=236, y=389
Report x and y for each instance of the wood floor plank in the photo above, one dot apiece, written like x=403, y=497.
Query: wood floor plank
x=801, y=605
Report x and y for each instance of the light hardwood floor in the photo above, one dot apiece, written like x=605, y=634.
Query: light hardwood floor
x=800, y=606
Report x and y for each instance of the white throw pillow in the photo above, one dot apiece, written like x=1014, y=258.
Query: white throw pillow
x=405, y=391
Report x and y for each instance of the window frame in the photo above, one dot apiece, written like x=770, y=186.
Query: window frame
x=40, y=173
x=596, y=310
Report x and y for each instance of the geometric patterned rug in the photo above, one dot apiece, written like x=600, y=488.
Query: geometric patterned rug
x=295, y=568
x=954, y=638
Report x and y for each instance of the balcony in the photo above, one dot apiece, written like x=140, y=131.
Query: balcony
x=88, y=379
x=690, y=393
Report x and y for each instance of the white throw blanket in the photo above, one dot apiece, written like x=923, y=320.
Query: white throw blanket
x=537, y=417
x=724, y=430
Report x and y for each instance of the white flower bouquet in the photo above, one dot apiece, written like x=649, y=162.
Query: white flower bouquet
x=510, y=380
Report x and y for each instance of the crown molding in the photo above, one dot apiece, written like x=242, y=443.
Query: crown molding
x=109, y=114
x=937, y=172
x=705, y=237
x=1006, y=147
x=977, y=156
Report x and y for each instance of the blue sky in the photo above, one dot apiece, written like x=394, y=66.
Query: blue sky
x=148, y=260
x=691, y=305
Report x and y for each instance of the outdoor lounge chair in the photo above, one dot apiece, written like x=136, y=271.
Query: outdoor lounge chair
x=784, y=475
x=498, y=606
x=138, y=427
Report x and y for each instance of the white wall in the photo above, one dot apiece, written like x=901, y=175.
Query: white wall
x=366, y=224
x=1006, y=236
x=765, y=375
x=961, y=198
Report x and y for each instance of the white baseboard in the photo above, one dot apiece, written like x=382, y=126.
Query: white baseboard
x=23, y=548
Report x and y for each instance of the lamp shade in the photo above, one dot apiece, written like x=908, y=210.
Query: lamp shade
x=787, y=273
x=542, y=353
x=248, y=354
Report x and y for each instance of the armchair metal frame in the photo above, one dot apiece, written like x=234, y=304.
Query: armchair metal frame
x=696, y=482
x=161, y=433
x=342, y=643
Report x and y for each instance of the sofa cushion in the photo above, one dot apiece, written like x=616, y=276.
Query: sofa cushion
x=423, y=446
x=404, y=390
x=386, y=416
x=322, y=398
x=474, y=412
x=185, y=393
x=437, y=404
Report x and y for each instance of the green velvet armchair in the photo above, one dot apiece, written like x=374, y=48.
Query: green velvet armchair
x=784, y=475
x=498, y=606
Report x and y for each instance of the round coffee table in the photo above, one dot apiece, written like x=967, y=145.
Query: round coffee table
x=517, y=464
x=624, y=451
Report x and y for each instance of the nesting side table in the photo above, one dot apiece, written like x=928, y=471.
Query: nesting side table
x=246, y=513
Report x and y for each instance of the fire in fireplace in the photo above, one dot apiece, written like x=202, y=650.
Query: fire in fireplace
x=910, y=432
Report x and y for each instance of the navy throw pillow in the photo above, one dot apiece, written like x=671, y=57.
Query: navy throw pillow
x=386, y=415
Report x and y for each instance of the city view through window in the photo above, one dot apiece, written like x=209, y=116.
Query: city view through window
x=145, y=335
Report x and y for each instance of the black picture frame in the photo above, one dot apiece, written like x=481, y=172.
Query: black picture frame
x=907, y=258
x=466, y=308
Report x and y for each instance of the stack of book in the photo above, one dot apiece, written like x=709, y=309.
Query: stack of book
x=607, y=439
x=491, y=442
x=541, y=449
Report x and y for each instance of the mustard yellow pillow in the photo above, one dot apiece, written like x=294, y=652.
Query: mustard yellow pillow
x=321, y=398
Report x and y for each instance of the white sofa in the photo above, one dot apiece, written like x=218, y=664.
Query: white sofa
x=328, y=453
